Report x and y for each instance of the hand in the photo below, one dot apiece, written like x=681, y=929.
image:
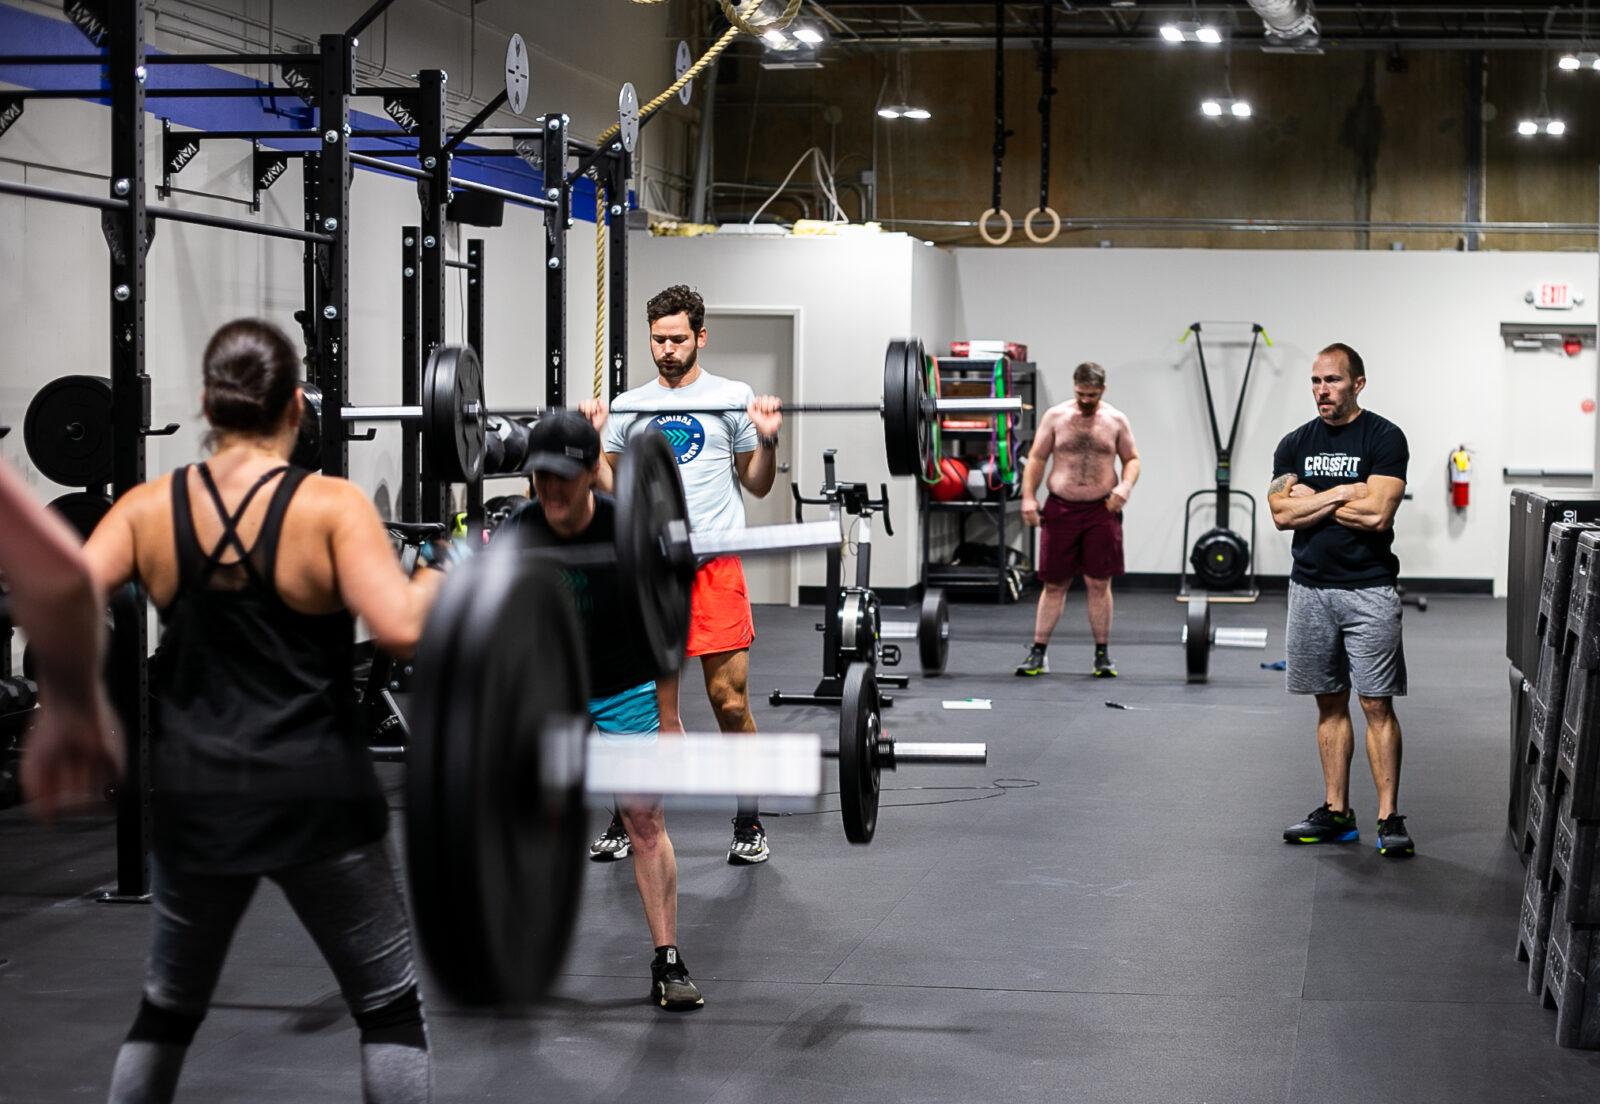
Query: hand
x=1353, y=491
x=595, y=410
x=766, y=414
x=72, y=754
x=1030, y=512
x=1115, y=501
x=1300, y=490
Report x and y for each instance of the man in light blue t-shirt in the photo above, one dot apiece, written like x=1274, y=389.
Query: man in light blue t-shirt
x=730, y=441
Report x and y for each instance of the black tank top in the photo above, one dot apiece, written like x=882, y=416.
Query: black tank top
x=257, y=757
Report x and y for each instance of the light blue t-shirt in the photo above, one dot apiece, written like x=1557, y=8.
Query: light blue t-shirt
x=705, y=443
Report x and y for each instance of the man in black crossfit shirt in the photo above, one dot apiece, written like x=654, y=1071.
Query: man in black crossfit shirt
x=563, y=457
x=1337, y=481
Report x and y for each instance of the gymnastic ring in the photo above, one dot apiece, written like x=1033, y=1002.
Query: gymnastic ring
x=1055, y=225
x=983, y=226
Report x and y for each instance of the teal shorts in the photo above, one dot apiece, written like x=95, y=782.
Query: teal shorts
x=630, y=713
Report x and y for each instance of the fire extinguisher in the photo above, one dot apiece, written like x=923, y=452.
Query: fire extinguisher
x=1460, y=477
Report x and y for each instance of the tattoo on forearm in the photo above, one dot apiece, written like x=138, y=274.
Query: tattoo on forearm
x=1280, y=484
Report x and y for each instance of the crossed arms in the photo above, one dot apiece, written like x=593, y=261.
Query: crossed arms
x=1369, y=506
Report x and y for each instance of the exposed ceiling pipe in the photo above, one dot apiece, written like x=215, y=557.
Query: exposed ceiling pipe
x=1290, y=20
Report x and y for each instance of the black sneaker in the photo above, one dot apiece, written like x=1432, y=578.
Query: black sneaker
x=1393, y=839
x=1037, y=663
x=1104, y=667
x=670, y=985
x=749, y=842
x=613, y=845
x=1324, y=826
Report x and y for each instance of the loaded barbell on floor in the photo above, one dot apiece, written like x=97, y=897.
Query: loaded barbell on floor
x=1198, y=637
x=502, y=761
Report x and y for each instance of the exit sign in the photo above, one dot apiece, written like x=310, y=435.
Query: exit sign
x=1554, y=297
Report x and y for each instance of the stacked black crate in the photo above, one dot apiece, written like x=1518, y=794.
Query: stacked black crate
x=1532, y=514
x=1572, y=959
x=1550, y=671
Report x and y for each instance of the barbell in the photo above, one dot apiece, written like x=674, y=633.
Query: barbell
x=502, y=764
x=454, y=416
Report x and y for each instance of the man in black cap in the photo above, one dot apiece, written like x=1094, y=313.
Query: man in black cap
x=565, y=509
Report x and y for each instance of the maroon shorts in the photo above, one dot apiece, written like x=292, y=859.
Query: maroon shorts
x=1079, y=538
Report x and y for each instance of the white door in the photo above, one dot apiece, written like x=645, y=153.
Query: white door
x=1546, y=425
x=759, y=350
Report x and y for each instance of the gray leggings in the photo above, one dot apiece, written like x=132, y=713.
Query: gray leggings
x=352, y=907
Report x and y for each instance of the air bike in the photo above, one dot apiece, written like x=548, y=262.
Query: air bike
x=1219, y=567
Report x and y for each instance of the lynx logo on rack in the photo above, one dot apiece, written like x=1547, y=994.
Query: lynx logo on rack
x=401, y=114
x=10, y=111
x=683, y=432
x=183, y=155
x=88, y=18
x=271, y=171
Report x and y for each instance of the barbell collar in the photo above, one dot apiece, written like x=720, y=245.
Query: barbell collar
x=705, y=764
x=767, y=539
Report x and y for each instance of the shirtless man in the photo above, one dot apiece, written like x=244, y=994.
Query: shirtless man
x=1082, y=519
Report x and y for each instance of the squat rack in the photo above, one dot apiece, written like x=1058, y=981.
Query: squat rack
x=326, y=82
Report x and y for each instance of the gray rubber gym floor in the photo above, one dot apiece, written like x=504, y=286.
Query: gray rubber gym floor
x=1106, y=912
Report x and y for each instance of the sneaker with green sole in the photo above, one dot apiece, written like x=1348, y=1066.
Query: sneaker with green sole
x=1323, y=825
x=1037, y=663
x=1393, y=839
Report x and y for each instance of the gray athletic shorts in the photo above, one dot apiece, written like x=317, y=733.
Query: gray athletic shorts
x=1338, y=639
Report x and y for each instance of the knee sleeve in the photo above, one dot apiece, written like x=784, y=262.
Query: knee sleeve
x=155, y=1024
x=398, y=1023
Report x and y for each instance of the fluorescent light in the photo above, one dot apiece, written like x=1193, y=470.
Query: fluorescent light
x=1240, y=109
x=1211, y=108
x=1555, y=127
x=808, y=35
x=1568, y=62
x=1527, y=126
x=889, y=112
x=775, y=38
x=916, y=113
x=1209, y=35
x=1171, y=33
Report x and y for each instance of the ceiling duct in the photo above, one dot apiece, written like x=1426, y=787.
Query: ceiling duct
x=1288, y=22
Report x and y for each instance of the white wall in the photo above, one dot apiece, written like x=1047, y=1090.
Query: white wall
x=850, y=297
x=1427, y=325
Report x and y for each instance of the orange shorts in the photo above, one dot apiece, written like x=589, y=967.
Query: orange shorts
x=719, y=609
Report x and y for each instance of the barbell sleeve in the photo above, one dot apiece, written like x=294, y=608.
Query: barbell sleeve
x=773, y=764
x=758, y=539
x=895, y=752
x=381, y=413
x=395, y=413
x=1011, y=404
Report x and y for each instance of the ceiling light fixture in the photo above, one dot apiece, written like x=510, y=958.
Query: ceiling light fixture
x=902, y=107
x=1227, y=106
x=1543, y=122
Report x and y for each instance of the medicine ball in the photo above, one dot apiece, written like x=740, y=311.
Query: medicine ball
x=952, y=484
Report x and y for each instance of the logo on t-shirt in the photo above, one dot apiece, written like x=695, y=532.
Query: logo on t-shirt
x=683, y=432
x=1333, y=466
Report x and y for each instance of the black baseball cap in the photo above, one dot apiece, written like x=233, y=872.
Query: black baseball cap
x=563, y=443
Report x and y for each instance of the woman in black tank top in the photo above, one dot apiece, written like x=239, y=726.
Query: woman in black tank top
x=258, y=762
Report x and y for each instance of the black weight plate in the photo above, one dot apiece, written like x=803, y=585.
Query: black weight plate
x=1221, y=559
x=649, y=500
x=67, y=431
x=933, y=632
x=307, y=452
x=83, y=510
x=859, y=626
x=453, y=415
x=859, y=729
x=1197, y=642
x=495, y=804
x=900, y=412
x=920, y=373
